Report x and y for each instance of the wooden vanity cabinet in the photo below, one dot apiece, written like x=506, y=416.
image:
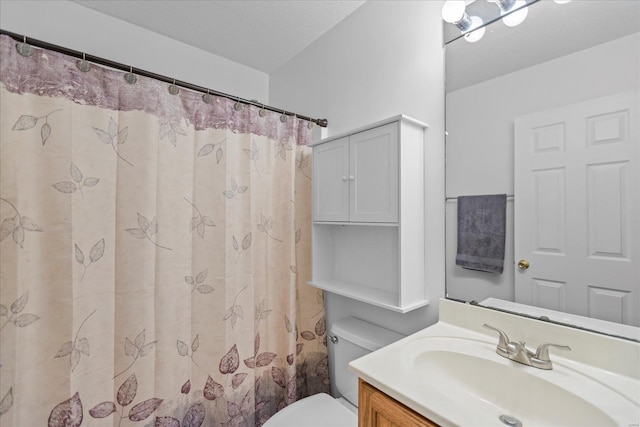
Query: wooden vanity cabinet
x=376, y=409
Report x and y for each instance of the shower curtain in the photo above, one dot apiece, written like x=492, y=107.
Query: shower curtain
x=155, y=248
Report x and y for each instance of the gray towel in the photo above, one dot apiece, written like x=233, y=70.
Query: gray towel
x=481, y=232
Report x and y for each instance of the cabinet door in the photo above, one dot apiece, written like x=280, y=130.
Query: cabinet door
x=331, y=181
x=373, y=159
x=376, y=409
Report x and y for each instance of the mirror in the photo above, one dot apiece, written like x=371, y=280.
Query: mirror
x=561, y=55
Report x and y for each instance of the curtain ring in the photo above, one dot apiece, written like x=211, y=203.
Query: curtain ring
x=82, y=64
x=23, y=48
x=283, y=117
x=173, y=89
x=238, y=105
x=206, y=98
x=262, y=112
x=130, y=77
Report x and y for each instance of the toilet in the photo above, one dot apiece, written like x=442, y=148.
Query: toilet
x=352, y=338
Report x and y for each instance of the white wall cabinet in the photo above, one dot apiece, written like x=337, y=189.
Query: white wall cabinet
x=369, y=214
x=357, y=177
x=331, y=181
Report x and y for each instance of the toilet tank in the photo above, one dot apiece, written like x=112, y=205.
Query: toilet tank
x=355, y=339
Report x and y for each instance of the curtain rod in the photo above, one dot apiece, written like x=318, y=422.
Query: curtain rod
x=144, y=73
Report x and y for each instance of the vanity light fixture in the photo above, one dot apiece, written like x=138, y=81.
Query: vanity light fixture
x=453, y=12
x=515, y=18
x=475, y=35
x=562, y=1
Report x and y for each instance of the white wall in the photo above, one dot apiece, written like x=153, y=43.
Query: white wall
x=384, y=59
x=71, y=25
x=480, y=142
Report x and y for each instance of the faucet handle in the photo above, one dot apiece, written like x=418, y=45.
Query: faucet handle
x=504, y=339
x=542, y=353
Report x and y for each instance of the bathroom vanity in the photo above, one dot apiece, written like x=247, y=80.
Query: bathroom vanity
x=377, y=409
x=450, y=374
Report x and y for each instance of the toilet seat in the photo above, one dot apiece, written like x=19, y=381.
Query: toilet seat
x=319, y=410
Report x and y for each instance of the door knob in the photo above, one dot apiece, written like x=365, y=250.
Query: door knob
x=523, y=264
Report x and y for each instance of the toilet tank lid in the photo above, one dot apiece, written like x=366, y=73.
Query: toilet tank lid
x=364, y=334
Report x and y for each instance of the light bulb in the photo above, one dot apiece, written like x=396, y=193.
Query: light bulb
x=475, y=35
x=562, y=1
x=453, y=10
x=517, y=17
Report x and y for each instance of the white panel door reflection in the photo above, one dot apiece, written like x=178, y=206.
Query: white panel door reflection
x=577, y=208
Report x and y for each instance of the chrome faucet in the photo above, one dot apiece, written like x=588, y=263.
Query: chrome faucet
x=518, y=352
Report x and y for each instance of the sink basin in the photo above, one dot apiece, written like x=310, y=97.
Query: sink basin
x=450, y=374
x=486, y=386
x=492, y=384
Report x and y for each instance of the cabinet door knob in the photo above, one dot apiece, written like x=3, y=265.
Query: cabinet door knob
x=344, y=178
x=351, y=177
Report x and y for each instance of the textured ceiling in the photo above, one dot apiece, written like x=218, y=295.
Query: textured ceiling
x=262, y=34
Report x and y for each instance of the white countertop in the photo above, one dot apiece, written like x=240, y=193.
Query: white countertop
x=614, y=365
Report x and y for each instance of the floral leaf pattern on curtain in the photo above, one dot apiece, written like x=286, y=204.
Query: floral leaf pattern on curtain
x=213, y=147
x=193, y=418
x=126, y=394
x=184, y=350
x=68, y=413
x=95, y=254
x=78, y=182
x=136, y=349
x=173, y=288
x=234, y=190
x=26, y=122
x=200, y=222
x=15, y=315
x=113, y=137
x=76, y=348
x=265, y=226
x=16, y=225
x=147, y=230
x=6, y=402
x=303, y=163
x=282, y=147
x=170, y=131
x=234, y=312
x=246, y=244
x=254, y=155
x=212, y=390
x=197, y=283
